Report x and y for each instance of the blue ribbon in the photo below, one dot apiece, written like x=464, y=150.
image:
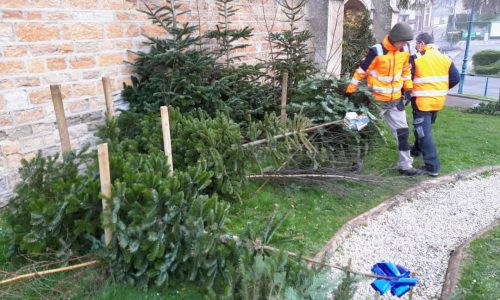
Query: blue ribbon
x=400, y=282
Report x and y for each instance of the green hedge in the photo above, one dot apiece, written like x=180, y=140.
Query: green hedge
x=486, y=57
x=492, y=69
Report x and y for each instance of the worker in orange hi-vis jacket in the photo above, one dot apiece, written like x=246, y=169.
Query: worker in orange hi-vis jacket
x=387, y=70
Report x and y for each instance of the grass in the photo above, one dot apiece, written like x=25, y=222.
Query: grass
x=464, y=141
x=480, y=271
x=315, y=213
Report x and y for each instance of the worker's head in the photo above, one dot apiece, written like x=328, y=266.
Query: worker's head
x=400, y=34
x=422, y=40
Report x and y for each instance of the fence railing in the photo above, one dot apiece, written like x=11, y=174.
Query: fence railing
x=487, y=83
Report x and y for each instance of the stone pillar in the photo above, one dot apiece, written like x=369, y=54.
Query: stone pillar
x=325, y=20
x=385, y=15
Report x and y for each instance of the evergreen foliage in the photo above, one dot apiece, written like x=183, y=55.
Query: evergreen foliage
x=195, y=139
x=487, y=62
x=176, y=73
x=346, y=289
x=225, y=36
x=322, y=100
x=486, y=57
x=290, y=46
x=173, y=226
x=357, y=38
x=56, y=207
x=164, y=225
x=486, y=108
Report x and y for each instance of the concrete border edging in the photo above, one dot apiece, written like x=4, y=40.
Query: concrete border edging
x=451, y=273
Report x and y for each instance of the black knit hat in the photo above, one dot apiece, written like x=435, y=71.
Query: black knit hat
x=401, y=32
x=425, y=38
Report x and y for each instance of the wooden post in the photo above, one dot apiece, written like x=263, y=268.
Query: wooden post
x=102, y=152
x=284, y=90
x=165, y=126
x=108, y=95
x=55, y=91
x=348, y=269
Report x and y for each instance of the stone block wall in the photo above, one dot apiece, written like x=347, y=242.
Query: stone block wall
x=75, y=43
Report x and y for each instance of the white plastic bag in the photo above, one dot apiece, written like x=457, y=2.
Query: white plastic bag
x=356, y=121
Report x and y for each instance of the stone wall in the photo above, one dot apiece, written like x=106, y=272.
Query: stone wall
x=75, y=43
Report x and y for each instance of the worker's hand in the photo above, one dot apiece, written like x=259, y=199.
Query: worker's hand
x=407, y=97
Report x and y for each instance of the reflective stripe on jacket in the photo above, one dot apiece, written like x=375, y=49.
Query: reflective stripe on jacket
x=431, y=79
x=387, y=71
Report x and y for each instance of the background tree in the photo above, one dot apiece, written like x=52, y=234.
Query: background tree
x=356, y=39
x=484, y=7
x=291, y=46
x=411, y=4
x=226, y=36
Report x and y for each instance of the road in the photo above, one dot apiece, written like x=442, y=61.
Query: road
x=472, y=85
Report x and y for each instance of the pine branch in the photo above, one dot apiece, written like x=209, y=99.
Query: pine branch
x=279, y=136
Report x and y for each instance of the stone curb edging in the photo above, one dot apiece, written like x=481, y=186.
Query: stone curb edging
x=473, y=99
x=348, y=228
x=452, y=272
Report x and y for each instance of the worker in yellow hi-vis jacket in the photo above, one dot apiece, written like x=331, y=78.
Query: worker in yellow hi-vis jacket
x=433, y=75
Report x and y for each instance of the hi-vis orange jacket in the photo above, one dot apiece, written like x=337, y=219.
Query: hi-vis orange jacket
x=433, y=74
x=387, y=71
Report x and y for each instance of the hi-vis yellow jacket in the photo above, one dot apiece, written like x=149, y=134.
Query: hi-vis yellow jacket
x=387, y=71
x=431, y=78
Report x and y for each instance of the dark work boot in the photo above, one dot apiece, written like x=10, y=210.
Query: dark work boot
x=432, y=174
x=357, y=167
x=411, y=172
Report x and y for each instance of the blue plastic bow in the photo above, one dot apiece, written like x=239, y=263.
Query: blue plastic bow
x=399, y=284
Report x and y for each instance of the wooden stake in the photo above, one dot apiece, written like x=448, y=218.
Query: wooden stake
x=102, y=152
x=68, y=268
x=55, y=91
x=284, y=90
x=108, y=95
x=348, y=268
x=165, y=126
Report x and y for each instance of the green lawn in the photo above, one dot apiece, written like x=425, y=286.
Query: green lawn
x=464, y=141
x=480, y=270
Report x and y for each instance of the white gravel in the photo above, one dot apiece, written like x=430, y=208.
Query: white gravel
x=420, y=233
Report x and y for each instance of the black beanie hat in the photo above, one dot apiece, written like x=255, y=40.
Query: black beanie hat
x=401, y=32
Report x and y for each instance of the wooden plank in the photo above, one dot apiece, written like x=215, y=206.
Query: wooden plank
x=108, y=95
x=167, y=146
x=55, y=91
x=105, y=177
x=284, y=91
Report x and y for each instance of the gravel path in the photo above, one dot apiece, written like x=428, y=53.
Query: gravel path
x=420, y=233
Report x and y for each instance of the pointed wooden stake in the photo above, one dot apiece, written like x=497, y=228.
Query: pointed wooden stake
x=55, y=91
x=108, y=95
x=165, y=126
x=102, y=152
x=284, y=90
